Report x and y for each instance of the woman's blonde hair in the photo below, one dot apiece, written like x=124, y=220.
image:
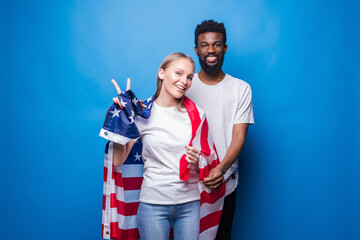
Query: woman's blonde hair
x=165, y=63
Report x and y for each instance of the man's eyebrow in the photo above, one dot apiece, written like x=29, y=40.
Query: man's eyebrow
x=218, y=41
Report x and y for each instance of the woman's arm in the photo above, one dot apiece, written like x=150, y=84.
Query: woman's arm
x=121, y=152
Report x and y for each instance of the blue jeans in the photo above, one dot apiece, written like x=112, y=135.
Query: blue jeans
x=154, y=221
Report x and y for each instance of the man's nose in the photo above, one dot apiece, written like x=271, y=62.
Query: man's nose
x=211, y=49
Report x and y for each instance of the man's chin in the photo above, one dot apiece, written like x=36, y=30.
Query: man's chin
x=211, y=68
x=211, y=64
x=212, y=71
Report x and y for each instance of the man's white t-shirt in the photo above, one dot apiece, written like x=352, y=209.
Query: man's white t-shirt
x=164, y=136
x=226, y=103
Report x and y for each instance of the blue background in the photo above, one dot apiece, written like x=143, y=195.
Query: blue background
x=300, y=166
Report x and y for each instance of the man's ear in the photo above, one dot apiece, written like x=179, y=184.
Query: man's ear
x=161, y=73
x=196, y=51
x=225, y=49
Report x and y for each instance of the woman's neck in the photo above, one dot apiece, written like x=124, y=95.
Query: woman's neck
x=165, y=100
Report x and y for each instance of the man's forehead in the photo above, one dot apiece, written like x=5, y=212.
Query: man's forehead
x=210, y=37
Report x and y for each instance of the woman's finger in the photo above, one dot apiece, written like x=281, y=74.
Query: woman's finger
x=193, y=154
x=128, y=84
x=195, y=150
x=116, y=86
x=190, y=160
x=143, y=105
x=116, y=101
x=193, y=159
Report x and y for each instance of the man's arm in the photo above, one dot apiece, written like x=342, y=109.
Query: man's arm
x=216, y=175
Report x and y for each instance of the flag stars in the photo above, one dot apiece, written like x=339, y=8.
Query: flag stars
x=135, y=101
x=137, y=157
x=122, y=102
x=149, y=99
x=132, y=117
x=115, y=112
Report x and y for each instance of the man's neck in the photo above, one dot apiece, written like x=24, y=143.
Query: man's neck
x=211, y=79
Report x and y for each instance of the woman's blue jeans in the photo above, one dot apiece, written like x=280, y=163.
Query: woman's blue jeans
x=154, y=221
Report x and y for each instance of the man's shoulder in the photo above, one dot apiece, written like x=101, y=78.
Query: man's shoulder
x=235, y=82
x=228, y=80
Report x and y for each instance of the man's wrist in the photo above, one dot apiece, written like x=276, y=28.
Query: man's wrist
x=222, y=169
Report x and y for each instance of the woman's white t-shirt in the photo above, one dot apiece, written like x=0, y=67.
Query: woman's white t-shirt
x=164, y=136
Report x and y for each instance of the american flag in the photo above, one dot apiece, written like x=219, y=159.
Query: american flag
x=122, y=184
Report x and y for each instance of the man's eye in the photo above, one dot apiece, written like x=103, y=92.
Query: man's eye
x=190, y=78
x=218, y=45
x=203, y=45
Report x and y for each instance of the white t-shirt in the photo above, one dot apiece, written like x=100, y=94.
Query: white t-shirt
x=225, y=104
x=164, y=136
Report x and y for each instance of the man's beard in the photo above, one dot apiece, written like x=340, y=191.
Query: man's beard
x=212, y=70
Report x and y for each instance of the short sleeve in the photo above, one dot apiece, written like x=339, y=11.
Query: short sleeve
x=140, y=123
x=244, y=112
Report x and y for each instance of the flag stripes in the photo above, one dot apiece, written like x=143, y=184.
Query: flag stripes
x=122, y=185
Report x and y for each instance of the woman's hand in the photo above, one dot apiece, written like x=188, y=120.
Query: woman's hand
x=192, y=157
x=118, y=90
x=120, y=152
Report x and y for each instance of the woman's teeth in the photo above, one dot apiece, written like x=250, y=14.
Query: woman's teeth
x=179, y=87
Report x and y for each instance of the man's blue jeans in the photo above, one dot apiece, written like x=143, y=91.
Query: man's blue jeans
x=154, y=221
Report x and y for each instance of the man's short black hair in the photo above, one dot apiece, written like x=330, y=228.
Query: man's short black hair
x=210, y=26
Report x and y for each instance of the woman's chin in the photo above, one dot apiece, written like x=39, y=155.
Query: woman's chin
x=178, y=95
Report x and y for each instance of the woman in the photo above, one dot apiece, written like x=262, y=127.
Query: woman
x=166, y=199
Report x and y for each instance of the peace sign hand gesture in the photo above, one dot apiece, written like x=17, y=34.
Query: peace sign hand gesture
x=128, y=84
x=116, y=99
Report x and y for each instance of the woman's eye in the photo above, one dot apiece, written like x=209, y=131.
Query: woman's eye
x=177, y=73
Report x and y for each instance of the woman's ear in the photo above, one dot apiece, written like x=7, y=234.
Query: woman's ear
x=161, y=73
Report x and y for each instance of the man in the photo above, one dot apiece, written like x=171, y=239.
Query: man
x=227, y=103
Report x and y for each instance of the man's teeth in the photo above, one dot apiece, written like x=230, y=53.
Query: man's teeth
x=211, y=58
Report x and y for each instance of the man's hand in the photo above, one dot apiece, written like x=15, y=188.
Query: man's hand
x=215, y=178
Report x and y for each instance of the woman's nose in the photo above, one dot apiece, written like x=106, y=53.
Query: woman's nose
x=184, y=80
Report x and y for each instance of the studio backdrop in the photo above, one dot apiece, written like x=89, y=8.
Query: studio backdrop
x=299, y=170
